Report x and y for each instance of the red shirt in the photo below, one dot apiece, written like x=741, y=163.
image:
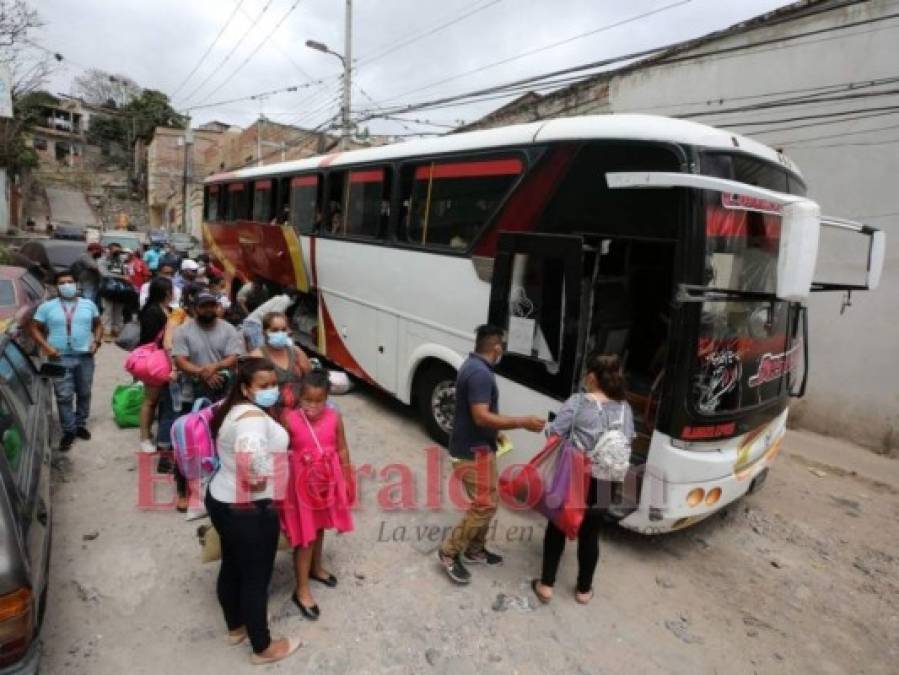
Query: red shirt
x=138, y=273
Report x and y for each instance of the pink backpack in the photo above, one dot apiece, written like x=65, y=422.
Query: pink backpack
x=193, y=443
x=150, y=364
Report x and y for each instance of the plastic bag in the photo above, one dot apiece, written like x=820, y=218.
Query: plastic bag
x=127, y=400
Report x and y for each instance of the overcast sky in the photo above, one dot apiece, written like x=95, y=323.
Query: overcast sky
x=159, y=42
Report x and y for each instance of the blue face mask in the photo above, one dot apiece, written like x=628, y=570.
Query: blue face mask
x=67, y=290
x=266, y=398
x=278, y=338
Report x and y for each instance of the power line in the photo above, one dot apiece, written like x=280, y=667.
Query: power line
x=285, y=53
x=230, y=53
x=762, y=132
x=251, y=97
x=210, y=48
x=255, y=51
x=547, y=47
x=801, y=141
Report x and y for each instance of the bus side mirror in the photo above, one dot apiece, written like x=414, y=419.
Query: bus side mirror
x=799, y=232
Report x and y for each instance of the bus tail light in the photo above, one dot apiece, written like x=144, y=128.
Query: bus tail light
x=694, y=497
x=713, y=496
x=15, y=625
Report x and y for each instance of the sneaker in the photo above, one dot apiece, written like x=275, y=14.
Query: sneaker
x=484, y=557
x=455, y=570
x=67, y=441
x=147, y=446
x=83, y=433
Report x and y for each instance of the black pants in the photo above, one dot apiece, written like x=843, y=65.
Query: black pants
x=249, y=536
x=587, y=546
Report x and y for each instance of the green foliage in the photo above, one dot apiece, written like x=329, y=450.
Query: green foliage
x=150, y=110
x=104, y=131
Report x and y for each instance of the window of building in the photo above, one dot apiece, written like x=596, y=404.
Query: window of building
x=40, y=144
x=263, y=201
x=212, y=203
x=236, y=202
x=446, y=204
x=305, y=210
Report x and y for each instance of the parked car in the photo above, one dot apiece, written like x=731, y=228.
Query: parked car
x=70, y=232
x=124, y=239
x=185, y=244
x=44, y=257
x=20, y=294
x=25, y=519
x=158, y=237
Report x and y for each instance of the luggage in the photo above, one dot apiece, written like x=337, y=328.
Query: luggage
x=150, y=364
x=127, y=400
x=192, y=441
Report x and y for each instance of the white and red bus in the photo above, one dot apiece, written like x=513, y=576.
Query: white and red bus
x=683, y=248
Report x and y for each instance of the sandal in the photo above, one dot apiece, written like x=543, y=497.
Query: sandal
x=540, y=596
x=583, y=598
x=330, y=581
x=312, y=613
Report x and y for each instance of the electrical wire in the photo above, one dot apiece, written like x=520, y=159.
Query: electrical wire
x=209, y=49
x=230, y=53
x=801, y=141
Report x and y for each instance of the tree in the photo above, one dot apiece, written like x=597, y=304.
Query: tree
x=99, y=87
x=150, y=110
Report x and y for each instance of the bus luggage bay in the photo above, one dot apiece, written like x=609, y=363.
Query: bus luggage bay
x=685, y=249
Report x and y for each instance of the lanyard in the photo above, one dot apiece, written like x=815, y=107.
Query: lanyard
x=69, y=313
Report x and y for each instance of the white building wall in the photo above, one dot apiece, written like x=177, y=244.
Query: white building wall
x=854, y=381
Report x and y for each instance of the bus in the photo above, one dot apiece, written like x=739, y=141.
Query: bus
x=687, y=250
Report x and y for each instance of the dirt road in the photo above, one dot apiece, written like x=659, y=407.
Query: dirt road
x=802, y=577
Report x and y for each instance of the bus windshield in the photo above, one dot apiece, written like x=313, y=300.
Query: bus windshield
x=745, y=349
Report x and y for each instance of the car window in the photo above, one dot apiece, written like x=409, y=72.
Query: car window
x=21, y=364
x=35, y=288
x=12, y=437
x=7, y=293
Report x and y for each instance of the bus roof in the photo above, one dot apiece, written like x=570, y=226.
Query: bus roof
x=598, y=127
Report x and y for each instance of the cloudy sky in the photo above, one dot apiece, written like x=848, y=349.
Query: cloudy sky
x=400, y=49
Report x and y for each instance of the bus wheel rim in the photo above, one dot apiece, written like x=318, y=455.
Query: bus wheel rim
x=443, y=404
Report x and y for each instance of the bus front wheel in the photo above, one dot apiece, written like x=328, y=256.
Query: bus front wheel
x=436, y=399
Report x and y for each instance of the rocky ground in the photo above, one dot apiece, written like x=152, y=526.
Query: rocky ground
x=802, y=577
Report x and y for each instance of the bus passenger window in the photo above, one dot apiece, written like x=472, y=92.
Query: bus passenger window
x=367, y=203
x=448, y=203
x=305, y=209
x=211, y=204
x=263, y=201
x=236, y=203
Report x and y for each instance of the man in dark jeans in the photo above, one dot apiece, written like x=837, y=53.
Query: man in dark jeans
x=476, y=427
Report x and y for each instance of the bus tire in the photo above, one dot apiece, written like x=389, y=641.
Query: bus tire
x=435, y=396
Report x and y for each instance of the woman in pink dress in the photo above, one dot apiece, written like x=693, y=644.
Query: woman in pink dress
x=317, y=496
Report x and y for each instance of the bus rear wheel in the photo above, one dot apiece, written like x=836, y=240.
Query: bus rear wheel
x=435, y=394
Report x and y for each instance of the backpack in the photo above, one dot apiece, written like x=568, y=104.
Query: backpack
x=192, y=441
x=611, y=455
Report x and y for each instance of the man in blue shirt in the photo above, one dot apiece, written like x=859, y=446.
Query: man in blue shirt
x=476, y=427
x=152, y=256
x=68, y=329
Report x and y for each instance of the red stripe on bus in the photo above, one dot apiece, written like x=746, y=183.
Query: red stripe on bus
x=499, y=167
x=235, y=187
x=374, y=176
x=263, y=185
x=329, y=159
x=304, y=181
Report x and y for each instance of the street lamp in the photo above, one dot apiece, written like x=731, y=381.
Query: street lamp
x=347, y=60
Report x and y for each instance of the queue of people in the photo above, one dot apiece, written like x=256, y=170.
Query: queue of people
x=283, y=457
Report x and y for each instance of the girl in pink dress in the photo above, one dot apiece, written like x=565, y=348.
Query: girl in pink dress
x=317, y=497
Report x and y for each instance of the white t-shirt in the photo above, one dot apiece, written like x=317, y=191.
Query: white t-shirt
x=254, y=445
x=279, y=303
x=145, y=291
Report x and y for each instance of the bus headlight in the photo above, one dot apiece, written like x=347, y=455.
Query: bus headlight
x=713, y=496
x=694, y=497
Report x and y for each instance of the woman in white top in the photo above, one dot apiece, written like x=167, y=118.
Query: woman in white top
x=253, y=470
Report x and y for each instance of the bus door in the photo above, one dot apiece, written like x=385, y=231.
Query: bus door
x=539, y=297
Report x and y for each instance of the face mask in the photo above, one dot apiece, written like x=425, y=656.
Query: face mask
x=67, y=290
x=205, y=319
x=278, y=338
x=498, y=359
x=266, y=398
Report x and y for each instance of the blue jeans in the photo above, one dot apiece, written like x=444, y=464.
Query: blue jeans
x=165, y=417
x=73, y=391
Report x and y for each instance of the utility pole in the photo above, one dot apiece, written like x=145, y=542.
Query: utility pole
x=347, y=74
x=188, y=170
x=259, y=140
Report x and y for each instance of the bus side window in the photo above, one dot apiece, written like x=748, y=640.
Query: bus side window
x=447, y=204
x=263, y=201
x=211, y=204
x=305, y=203
x=336, y=204
x=236, y=202
x=367, y=202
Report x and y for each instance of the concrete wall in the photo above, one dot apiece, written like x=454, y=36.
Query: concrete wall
x=851, y=168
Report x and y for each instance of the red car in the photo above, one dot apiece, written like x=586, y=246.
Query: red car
x=20, y=294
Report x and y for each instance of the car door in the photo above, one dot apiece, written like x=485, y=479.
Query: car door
x=25, y=435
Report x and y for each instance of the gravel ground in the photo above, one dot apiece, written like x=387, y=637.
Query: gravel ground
x=802, y=577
